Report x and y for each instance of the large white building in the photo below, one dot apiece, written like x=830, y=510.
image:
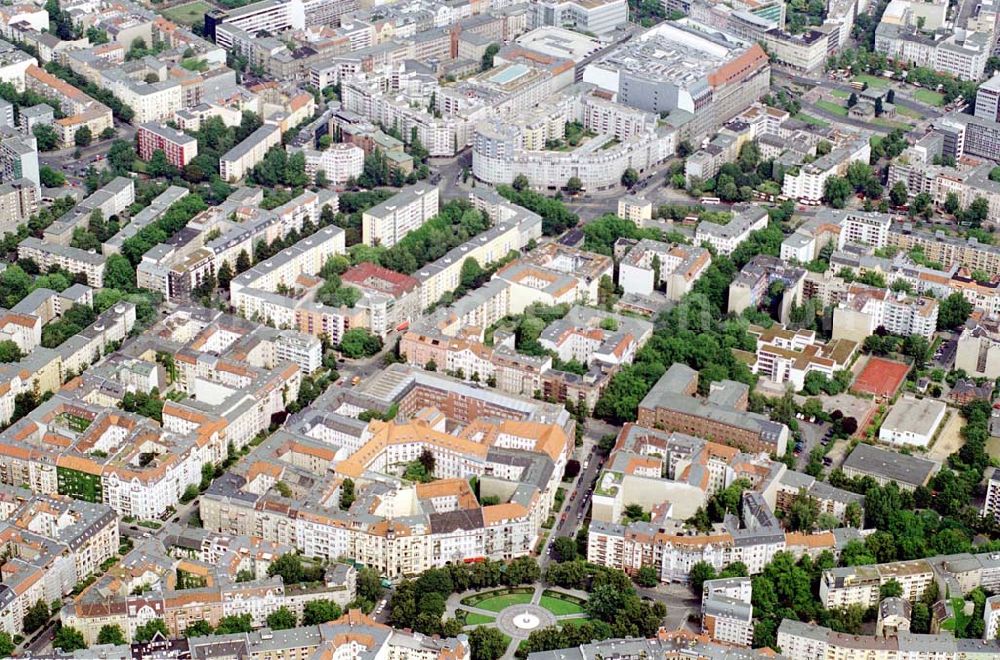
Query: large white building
x=865, y=309
x=725, y=238
x=387, y=223
x=338, y=163
x=594, y=16
x=807, y=182
x=238, y=161
x=912, y=422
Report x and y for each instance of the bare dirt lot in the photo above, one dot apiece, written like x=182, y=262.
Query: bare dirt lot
x=950, y=439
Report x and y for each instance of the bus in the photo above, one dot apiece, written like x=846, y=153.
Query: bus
x=859, y=85
x=710, y=200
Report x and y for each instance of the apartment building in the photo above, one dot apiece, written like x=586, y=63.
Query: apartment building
x=978, y=351
x=110, y=200
x=427, y=537
x=651, y=266
x=18, y=202
x=988, y=99
x=238, y=161
x=398, y=295
x=807, y=182
x=671, y=404
x=80, y=110
x=788, y=356
x=387, y=223
x=806, y=641
x=71, y=259
x=340, y=163
x=752, y=538
x=52, y=543
x=753, y=284
x=726, y=611
x=502, y=149
x=554, y=274
x=254, y=292
x=635, y=208
x=677, y=644
x=991, y=506
x=937, y=247
x=865, y=309
x=747, y=218
x=443, y=275
x=177, y=146
x=212, y=560
x=19, y=159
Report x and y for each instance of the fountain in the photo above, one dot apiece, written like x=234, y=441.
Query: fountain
x=526, y=621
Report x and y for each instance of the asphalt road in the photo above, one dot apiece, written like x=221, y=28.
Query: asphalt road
x=41, y=641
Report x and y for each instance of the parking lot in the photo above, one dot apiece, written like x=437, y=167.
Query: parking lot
x=814, y=434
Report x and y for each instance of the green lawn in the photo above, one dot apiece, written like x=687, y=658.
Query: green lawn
x=840, y=94
x=873, y=81
x=809, y=119
x=559, y=607
x=575, y=622
x=497, y=603
x=888, y=123
x=475, y=619
x=907, y=112
x=928, y=97
x=189, y=13
x=832, y=107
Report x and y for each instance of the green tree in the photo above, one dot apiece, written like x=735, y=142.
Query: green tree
x=6, y=645
x=200, y=628
x=358, y=343
x=487, y=643
x=952, y=203
x=803, y=512
x=69, y=639
x=488, y=55
x=647, y=577
x=146, y=631
x=121, y=156
x=320, y=611
x=836, y=190
x=289, y=567
x=233, y=623
x=574, y=185
x=83, y=137
x=36, y=616
x=890, y=589
x=898, y=194
x=630, y=177
x=700, y=573
x=564, y=548
x=281, y=619
x=9, y=352
x=346, y=494
x=225, y=275
x=953, y=312
x=45, y=136
x=111, y=634
x=520, y=183
x=51, y=178
x=119, y=273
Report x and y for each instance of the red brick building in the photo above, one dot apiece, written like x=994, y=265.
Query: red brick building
x=179, y=147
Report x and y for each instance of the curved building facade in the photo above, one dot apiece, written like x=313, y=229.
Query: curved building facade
x=499, y=155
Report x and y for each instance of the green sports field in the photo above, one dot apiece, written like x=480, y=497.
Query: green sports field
x=189, y=13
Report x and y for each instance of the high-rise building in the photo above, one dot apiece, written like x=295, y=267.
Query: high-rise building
x=988, y=99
